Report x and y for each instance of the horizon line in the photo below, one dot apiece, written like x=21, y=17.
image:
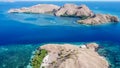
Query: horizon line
x=63, y=1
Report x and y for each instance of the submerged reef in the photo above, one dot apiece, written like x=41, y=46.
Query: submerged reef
x=86, y=15
x=111, y=52
x=68, y=56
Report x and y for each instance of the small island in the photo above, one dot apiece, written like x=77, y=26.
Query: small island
x=86, y=15
x=68, y=56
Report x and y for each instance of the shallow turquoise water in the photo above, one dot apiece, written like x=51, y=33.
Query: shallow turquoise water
x=21, y=34
x=111, y=51
x=16, y=56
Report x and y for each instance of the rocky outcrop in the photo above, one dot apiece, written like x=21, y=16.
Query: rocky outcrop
x=72, y=56
x=70, y=10
x=74, y=10
x=40, y=8
x=66, y=10
x=99, y=19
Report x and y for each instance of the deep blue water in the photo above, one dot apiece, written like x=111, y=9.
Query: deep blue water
x=25, y=31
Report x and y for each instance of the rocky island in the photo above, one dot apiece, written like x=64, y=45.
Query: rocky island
x=86, y=15
x=68, y=56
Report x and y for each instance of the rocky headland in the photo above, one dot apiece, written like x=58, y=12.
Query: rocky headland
x=86, y=15
x=68, y=56
x=40, y=8
x=99, y=19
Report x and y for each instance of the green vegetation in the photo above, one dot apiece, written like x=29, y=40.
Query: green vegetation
x=66, y=15
x=38, y=58
x=83, y=17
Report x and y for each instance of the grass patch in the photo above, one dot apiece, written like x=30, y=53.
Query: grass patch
x=38, y=58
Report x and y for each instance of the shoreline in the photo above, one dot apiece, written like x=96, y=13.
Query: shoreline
x=46, y=64
x=104, y=46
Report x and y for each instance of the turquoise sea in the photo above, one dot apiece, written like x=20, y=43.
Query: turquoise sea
x=21, y=34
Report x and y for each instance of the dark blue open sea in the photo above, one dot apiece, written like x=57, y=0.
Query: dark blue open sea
x=21, y=34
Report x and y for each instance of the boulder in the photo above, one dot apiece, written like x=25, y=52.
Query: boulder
x=92, y=46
